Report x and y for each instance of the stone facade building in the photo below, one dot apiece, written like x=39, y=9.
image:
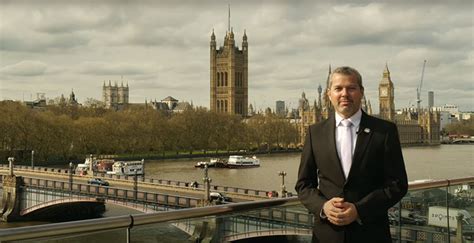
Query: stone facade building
x=114, y=96
x=170, y=105
x=415, y=127
x=229, y=75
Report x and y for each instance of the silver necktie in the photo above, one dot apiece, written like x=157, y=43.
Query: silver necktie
x=346, y=146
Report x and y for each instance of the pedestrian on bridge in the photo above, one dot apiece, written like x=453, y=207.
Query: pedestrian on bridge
x=351, y=169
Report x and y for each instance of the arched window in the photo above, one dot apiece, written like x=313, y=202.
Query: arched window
x=240, y=79
x=218, y=78
x=225, y=106
x=226, y=79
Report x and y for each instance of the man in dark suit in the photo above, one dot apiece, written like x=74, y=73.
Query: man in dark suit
x=352, y=168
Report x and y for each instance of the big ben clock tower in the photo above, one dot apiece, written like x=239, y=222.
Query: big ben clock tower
x=386, y=95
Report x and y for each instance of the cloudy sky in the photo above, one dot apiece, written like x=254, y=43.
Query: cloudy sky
x=161, y=48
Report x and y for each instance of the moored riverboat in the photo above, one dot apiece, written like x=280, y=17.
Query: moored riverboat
x=238, y=161
x=128, y=168
x=214, y=162
x=97, y=165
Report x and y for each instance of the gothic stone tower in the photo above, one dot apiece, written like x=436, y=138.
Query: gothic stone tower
x=114, y=96
x=229, y=76
x=386, y=95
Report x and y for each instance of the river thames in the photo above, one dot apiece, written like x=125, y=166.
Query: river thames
x=434, y=162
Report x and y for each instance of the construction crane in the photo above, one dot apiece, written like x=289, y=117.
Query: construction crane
x=418, y=89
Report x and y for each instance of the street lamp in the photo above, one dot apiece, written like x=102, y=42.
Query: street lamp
x=10, y=164
x=32, y=159
x=91, y=166
x=71, y=166
x=135, y=186
x=207, y=184
x=283, y=188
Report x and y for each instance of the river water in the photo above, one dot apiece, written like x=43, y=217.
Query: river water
x=436, y=162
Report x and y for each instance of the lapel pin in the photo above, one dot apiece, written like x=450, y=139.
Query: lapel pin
x=367, y=130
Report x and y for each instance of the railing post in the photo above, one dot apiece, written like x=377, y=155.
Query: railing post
x=459, y=219
x=399, y=222
x=447, y=210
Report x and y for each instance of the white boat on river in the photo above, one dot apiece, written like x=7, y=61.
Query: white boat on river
x=238, y=161
x=128, y=168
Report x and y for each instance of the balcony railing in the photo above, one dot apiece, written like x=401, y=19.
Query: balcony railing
x=432, y=211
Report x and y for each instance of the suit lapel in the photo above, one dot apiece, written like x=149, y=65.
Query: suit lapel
x=332, y=149
x=363, y=139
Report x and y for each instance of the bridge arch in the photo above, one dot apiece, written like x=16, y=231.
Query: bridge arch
x=65, y=209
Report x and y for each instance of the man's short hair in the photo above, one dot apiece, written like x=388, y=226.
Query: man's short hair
x=347, y=71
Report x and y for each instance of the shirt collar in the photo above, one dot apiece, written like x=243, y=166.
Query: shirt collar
x=354, y=119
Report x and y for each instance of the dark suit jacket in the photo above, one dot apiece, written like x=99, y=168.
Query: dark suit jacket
x=377, y=179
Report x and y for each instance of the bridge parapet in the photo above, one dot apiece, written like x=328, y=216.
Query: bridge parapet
x=252, y=194
x=114, y=193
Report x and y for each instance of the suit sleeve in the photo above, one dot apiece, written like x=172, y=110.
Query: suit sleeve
x=395, y=184
x=307, y=183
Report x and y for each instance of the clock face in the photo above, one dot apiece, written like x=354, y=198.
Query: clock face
x=383, y=92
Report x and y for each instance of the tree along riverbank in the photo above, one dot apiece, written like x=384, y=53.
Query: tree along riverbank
x=165, y=156
x=70, y=133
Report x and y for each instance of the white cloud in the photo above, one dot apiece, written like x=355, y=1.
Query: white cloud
x=25, y=68
x=162, y=47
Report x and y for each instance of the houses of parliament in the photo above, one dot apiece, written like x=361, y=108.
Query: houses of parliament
x=415, y=126
x=229, y=94
x=229, y=75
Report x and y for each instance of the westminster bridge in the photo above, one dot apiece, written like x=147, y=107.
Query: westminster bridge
x=176, y=203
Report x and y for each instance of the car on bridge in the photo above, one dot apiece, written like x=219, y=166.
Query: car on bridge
x=219, y=197
x=98, y=181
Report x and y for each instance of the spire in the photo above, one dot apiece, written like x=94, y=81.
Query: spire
x=329, y=76
x=245, y=35
x=228, y=21
x=386, y=69
x=386, y=75
x=213, y=36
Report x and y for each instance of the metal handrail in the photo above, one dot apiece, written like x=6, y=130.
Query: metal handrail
x=440, y=183
x=128, y=221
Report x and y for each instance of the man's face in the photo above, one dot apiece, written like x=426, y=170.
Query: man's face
x=345, y=94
